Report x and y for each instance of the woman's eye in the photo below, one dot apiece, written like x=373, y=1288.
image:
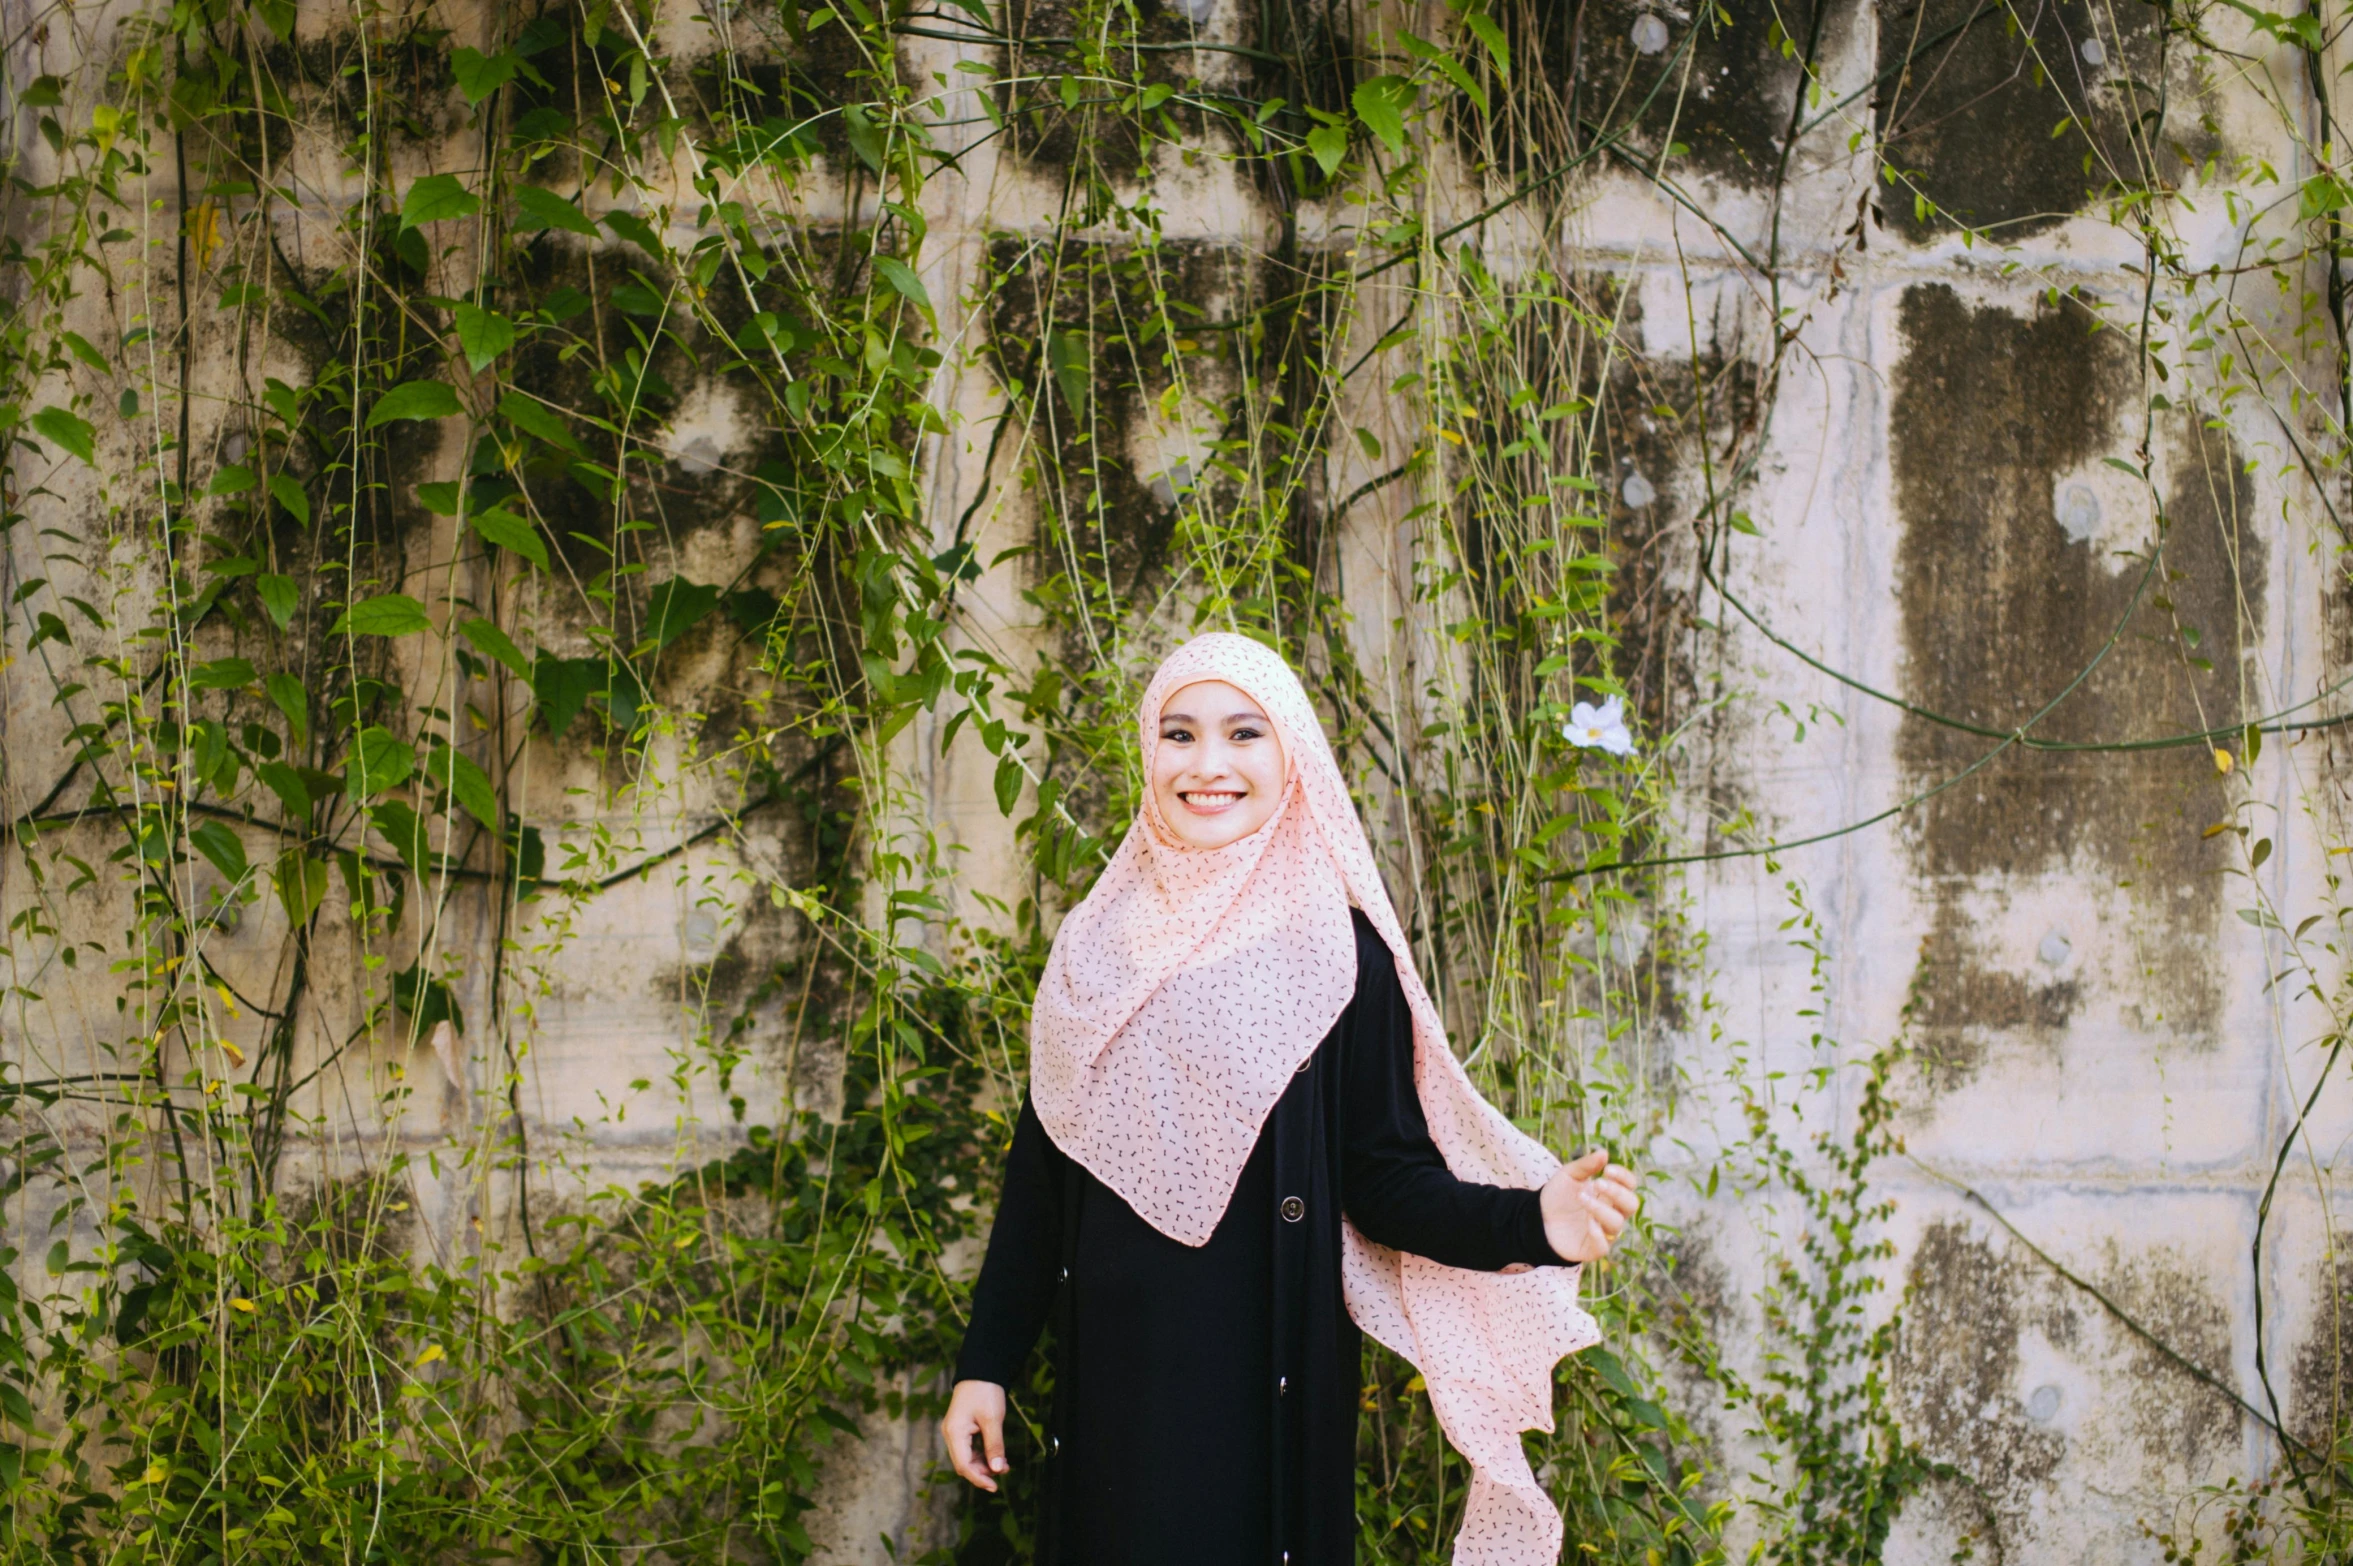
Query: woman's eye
x=1176, y=737
x=1245, y=734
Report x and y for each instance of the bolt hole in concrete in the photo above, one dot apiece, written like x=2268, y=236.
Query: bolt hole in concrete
x=1649, y=35
x=2055, y=949
x=702, y=932
x=2094, y=52
x=1636, y=491
x=2079, y=513
x=1176, y=481
x=2043, y=1406
x=700, y=455
x=1197, y=11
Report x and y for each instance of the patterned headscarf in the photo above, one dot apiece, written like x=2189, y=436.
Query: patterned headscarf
x=1181, y=996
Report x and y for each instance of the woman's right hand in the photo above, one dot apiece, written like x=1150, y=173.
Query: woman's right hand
x=976, y=1409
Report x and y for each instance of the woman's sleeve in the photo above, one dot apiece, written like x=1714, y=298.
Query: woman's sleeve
x=1398, y=1190
x=1023, y=1266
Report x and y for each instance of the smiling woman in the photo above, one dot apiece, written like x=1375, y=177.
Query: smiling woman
x=1246, y=1140
x=1218, y=770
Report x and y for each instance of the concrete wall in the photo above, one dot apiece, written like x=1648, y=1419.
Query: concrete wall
x=2095, y=1050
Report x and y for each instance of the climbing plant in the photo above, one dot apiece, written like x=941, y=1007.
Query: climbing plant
x=477, y=475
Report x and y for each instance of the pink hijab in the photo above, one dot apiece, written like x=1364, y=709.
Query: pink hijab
x=1181, y=996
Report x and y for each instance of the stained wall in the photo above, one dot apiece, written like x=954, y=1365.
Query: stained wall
x=1963, y=470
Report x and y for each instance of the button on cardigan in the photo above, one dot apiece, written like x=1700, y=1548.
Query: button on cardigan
x=1206, y=1398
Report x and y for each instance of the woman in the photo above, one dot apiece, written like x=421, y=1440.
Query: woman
x=1246, y=1138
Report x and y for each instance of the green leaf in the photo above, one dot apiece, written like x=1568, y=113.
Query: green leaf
x=865, y=135
x=216, y=842
x=1484, y=29
x=283, y=781
x=222, y=674
x=466, y=782
x=406, y=831
x=302, y=885
x=493, y=641
x=2322, y=193
x=288, y=492
x=1008, y=784
x=483, y=334
x=380, y=760
x=279, y=596
x=1448, y=65
x=637, y=231
x=291, y=697
x=675, y=607
x=1329, y=145
x=435, y=198
x=1381, y=103
x=511, y=532
x=62, y=427
x=536, y=418
x=415, y=400
x=426, y=999
x=479, y=75
x=386, y=614
x=440, y=499
x=902, y=277
x=544, y=209
x=563, y=686
x=82, y=350
x=232, y=479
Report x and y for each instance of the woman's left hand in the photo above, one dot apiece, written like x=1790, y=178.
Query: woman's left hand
x=1587, y=1205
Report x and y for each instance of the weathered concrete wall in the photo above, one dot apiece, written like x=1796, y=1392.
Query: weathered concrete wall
x=2095, y=1050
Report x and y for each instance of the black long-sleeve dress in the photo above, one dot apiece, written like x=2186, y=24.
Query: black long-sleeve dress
x=1206, y=1398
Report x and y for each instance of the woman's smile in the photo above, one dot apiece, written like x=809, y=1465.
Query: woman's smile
x=1217, y=765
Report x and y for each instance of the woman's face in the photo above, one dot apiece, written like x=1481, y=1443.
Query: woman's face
x=1217, y=772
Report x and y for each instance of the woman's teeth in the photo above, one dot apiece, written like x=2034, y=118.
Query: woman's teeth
x=1210, y=801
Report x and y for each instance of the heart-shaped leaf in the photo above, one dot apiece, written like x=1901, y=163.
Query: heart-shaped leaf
x=544, y=209
x=62, y=427
x=511, y=532
x=435, y=198
x=386, y=614
x=483, y=334
x=415, y=400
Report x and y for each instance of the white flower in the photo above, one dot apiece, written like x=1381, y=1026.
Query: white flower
x=1602, y=727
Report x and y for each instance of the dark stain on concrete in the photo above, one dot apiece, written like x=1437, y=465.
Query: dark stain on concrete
x=2320, y=1382
x=1081, y=331
x=1956, y=1364
x=1968, y=95
x=1968, y=996
x=1043, y=130
x=1727, y=93
x=2175, y=1419
x=2001, y=609
x=1959, y=1386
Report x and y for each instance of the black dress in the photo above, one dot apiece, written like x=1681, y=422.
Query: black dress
x=1206, y=1398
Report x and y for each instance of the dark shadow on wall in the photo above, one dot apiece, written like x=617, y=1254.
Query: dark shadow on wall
x=2012, y=113
x=2004, y=601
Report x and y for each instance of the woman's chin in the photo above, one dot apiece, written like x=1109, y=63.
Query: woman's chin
x=1206, y=831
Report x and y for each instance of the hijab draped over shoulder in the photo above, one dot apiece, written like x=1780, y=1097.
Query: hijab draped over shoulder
x=1181, y=996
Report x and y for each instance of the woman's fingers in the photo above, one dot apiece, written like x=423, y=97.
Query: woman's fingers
x=956, y=1431
x=992, y=1441
x=975, y=1410
x=1617, y=1198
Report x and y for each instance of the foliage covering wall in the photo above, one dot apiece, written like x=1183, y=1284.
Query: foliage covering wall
x=577, y=580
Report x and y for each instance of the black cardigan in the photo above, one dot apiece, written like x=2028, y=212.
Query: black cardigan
x=1206, y=1398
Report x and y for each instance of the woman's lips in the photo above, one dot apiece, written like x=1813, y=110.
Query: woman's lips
x=1207, y=803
